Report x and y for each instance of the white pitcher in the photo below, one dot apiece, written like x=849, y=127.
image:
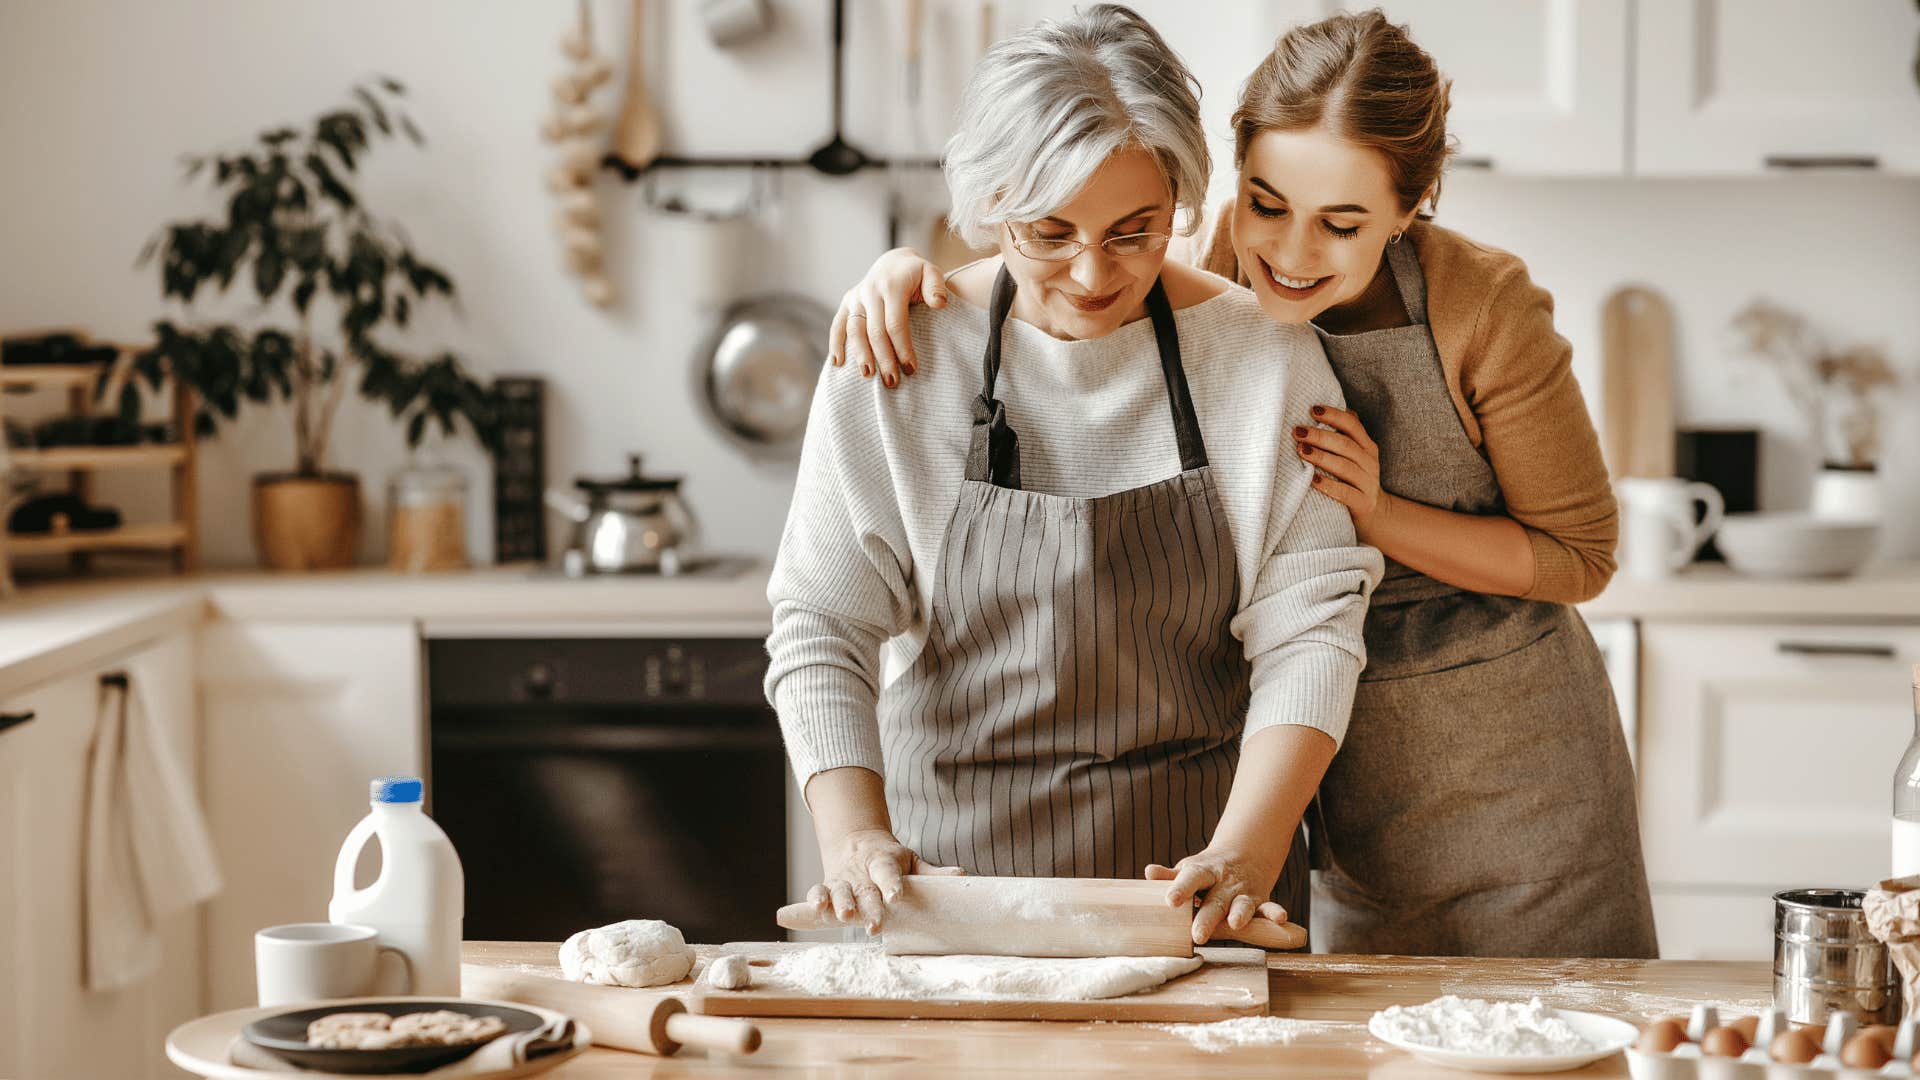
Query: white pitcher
x=1659, y=535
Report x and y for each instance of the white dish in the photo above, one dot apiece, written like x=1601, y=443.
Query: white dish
x=1793, y=545
x=1609, y=1037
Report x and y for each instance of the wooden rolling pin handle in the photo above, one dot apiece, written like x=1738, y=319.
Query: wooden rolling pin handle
x=1265, y=934
x=804, y=916
x=721, y=1033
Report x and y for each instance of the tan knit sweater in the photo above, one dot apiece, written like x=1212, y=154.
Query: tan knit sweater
x=1511, y=376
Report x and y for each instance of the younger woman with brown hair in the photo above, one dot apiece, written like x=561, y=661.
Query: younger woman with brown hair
x=1483, y=801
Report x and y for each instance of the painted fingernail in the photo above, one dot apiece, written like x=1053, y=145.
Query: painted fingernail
x=866, y=371
x=909, y=368
x=1306, y=451
x=888, y=380
x=1319, y=410
x=1299, y=433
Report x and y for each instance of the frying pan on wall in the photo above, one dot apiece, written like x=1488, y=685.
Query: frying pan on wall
x=758, y=369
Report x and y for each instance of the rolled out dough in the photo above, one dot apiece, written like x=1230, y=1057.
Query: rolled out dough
x=868, y=972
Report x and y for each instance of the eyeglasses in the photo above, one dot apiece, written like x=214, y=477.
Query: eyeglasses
x=1120, y=247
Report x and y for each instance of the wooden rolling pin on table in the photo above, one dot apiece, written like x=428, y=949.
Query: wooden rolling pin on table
x=998, y=916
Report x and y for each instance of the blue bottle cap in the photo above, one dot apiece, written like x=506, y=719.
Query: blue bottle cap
x=397, y=789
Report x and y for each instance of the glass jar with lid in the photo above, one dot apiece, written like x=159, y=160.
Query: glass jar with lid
x=427, y=519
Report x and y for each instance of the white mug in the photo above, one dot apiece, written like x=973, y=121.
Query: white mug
x=302, y=962
x=1658, y=534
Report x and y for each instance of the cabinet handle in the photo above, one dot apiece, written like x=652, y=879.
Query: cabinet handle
x=14, y=719
x=1837, y=648
x=1822, y=161
x=116, y=680
x=1481, y=162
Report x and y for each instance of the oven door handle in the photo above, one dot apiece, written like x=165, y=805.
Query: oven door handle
x=609, y=737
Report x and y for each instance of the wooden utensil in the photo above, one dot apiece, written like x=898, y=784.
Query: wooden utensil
x=636, y=136
x=1636, y=344
x=650, y=1023
x=999, y=916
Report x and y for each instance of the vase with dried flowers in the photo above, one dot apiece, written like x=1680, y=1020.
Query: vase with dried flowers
x=1841, y=390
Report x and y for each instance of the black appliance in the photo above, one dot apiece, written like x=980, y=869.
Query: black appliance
x=589, y=780
x=1727, y=458
x=520, y=471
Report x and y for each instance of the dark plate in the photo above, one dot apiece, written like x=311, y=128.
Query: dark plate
x=285, y=1036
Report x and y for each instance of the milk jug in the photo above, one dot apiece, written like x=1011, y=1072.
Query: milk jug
x=419, y=900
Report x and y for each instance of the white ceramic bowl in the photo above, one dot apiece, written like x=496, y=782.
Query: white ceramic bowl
x=1795, y=545
x=1608, y=1035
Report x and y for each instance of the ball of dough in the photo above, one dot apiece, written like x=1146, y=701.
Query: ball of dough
x=637, y=952
x=730, y=972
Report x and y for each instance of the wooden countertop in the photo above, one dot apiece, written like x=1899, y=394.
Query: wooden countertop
x=1338, y=992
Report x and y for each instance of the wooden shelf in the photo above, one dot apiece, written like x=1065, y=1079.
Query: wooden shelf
x=163, y=536
x=40, y=376
x=153, y=455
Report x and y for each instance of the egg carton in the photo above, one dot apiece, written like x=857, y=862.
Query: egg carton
x=1687, y=1061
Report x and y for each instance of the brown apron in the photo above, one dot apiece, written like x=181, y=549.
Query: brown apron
x=1483, y=801
x=1077, y=708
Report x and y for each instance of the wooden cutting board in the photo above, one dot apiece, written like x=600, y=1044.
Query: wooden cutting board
x=1637, y=409
x=1232, y=983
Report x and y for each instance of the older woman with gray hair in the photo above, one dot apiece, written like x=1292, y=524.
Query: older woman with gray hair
x=1071, y=609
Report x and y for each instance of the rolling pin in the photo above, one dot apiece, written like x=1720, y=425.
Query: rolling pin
x=1001, y=916
x=623, y=1019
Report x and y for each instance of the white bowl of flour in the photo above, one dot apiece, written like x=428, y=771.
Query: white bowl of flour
x=1501, y=1037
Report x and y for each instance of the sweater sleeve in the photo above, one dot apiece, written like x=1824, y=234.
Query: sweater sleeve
x=1301, y=622
x=840, y=585
x=1536, y=432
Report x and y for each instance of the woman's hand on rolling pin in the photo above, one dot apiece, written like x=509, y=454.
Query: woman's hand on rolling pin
x=1234, y=889
x=1346, y=464
x=871, y=327
x=864, y=870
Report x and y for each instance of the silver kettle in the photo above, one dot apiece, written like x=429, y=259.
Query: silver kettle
x=630, y=524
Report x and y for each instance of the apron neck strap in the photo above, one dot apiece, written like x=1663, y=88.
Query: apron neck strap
x=1404, y=261
x=993, y=455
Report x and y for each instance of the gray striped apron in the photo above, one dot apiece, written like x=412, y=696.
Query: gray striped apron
x=1483, y=801
x=1077, y=708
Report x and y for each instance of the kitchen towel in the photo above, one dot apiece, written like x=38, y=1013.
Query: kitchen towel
x=503, y=1054
x=149, y=853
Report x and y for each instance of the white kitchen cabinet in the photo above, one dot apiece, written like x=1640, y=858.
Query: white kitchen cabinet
x=298, y=718
x=1714, y=924
x=54, y=1025
x=1539, y=89
x=1730, y=89
x=1767, y=752
x=15, y=763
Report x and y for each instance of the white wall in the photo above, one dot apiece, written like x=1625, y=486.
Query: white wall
x=99, y=97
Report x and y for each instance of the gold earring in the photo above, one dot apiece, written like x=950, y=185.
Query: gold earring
x=1395, y=238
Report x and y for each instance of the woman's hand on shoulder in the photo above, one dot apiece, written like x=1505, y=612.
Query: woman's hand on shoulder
x=871, y=328
x=1346, y=464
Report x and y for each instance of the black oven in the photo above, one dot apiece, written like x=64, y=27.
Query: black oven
x=589, y=780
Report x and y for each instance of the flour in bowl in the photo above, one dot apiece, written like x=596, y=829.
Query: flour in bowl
x=1490, y=1029
x=866, y=971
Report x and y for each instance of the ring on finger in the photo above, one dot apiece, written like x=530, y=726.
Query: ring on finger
x=852, y=315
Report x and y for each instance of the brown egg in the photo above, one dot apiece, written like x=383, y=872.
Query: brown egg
x=1863, y=1051
x=1884, y=1034
x=1661, y=1037
x=1747, y=1026
x=1793, y=1048
x=1723, y=1042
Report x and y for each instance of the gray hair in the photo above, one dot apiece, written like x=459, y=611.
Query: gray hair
x=1046, y=106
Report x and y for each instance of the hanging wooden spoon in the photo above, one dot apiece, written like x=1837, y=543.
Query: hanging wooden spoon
x=636, y=136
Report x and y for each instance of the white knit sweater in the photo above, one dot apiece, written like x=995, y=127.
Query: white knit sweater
x=882, y=469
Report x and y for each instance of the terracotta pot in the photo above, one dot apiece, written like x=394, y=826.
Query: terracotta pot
x=306, y=522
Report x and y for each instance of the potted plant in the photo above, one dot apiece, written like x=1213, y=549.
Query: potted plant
x=1839, y=388
x=326, y=281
